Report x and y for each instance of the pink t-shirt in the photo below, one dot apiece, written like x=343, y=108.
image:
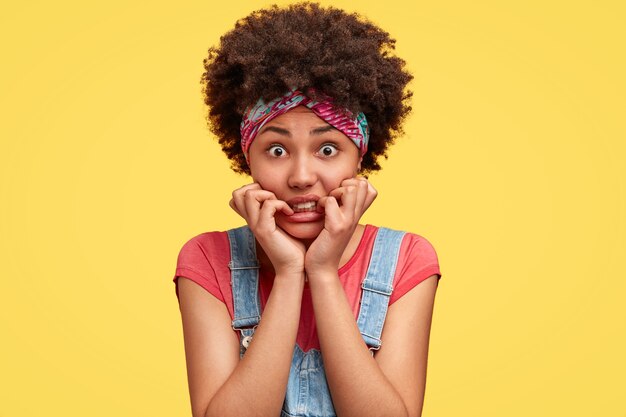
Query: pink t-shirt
x=204, y=259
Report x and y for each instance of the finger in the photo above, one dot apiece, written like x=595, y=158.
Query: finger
x=330, y=206
x=347, y=196
x=372, y=193
x=238, y=198
x=339, y=191
x=253, y=200
x=267, y=214
x=361, y=196
x=338, y=194
x=232, y=205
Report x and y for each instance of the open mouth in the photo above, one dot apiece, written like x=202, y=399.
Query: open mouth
x=302, y=207
x=305, y=206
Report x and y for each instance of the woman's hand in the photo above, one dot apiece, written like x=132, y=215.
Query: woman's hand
x=356, y=195
x=258, y=208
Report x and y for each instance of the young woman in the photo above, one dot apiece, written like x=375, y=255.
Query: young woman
x=303, y=311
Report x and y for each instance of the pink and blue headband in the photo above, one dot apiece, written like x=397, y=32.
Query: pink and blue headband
x=255, y=117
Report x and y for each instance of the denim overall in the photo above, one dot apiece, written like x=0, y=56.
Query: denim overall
x=307, y=389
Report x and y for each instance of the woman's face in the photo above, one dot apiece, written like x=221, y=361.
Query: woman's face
x=301, y=158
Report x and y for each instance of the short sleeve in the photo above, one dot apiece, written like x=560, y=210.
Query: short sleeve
x=193, y=263
x=417, y=261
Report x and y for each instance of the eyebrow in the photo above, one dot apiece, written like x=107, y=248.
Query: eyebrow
x=285, y=132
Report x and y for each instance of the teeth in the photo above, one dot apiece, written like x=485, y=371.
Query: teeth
x=308, y=206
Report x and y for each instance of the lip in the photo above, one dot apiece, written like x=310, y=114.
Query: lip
x=304, y=216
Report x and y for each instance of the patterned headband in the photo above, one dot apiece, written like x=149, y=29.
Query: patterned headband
x=255, y=117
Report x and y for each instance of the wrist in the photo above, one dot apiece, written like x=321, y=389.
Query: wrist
x=325, y=274
x=289, y=270
x=328, y=267
x=289, y=277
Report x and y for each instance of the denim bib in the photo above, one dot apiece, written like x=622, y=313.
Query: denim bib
x=307, y=389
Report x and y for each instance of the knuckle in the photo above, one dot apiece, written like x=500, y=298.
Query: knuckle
x=267, y=205
x=267, y=195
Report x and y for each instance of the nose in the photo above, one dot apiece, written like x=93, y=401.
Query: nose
x=303, y=173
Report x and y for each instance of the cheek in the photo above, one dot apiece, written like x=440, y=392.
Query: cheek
x=265, y=182
x=269, y=180
x=332, y=178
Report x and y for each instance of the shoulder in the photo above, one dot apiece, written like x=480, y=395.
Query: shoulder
x=200, y=260
x=418, y=248
x=417, y=261
x=413, y=246
x=203, y=245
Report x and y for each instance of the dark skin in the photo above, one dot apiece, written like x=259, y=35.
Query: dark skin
x=390, y=383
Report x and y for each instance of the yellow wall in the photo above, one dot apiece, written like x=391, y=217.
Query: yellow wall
x=512, y=167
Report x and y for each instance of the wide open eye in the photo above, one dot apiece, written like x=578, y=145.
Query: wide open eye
x=328, y=149
x=277, y=151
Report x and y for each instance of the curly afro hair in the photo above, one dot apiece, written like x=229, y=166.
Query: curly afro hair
x=306, y=46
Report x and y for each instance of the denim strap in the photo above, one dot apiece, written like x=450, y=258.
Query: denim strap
x=244, y=276
x=378, y=285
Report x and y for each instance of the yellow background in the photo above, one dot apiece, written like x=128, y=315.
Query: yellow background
x=512, y=167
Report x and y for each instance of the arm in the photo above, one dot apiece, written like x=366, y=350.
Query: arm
x=361, y=385
x=393, y=382
x=217, y=378
x=406, y=335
